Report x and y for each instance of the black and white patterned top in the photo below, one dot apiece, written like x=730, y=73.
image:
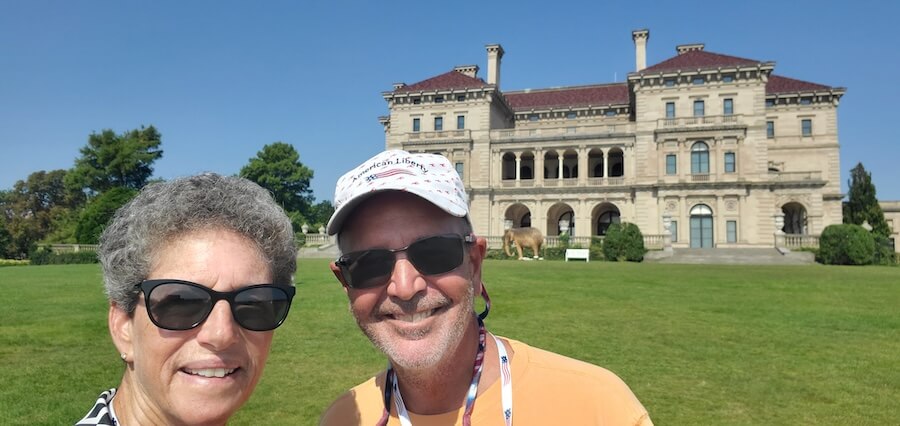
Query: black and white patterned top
x=101, y=414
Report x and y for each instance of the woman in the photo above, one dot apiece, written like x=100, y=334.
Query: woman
x=198, y=272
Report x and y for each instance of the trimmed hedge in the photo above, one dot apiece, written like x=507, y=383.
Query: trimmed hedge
x=13, y=262
x=44, y=256
x=846, y=244
x=624, y=241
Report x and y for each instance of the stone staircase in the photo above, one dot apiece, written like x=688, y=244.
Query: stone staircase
x=733, y=256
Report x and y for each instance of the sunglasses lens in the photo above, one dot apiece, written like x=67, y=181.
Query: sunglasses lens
x=261, y=308
x=176, y=306
x=436, y=255
x=370, y=268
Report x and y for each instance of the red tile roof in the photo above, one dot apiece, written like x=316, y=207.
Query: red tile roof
x=697, y=59
x=609, y=94
x=449, y=80
x=779, y=84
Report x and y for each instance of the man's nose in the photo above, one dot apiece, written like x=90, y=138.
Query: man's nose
x=406, y=280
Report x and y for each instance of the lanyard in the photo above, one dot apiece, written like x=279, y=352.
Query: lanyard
x=391, y=386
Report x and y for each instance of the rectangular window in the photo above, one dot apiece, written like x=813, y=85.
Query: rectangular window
x=671, y=164
x=729, y=162
x=674, y=228
x=570, y=115
x=438, y=124
x=806, y=127
x=459, y=169
x=416, y=124
x=460, y=98
x=438, y=99
x=728, y=107
x=460, y=122
x=670, y=109
x=699, y=108
x=731, y=230
x=610, y=113
x=770, y=103
x=533, y=117
x=669, y=82
x=698, y=80
x=770, y=129
x=727, y=78
x=417, y=101
x=805, y=101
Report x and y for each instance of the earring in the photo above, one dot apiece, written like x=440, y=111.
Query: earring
x=124, y=357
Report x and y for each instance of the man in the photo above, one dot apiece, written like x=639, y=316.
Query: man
x=411, y=267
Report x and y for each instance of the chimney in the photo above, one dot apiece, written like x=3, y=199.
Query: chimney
x=640, y=38
x=494, y=54
x=684, y=48
x=467, y=70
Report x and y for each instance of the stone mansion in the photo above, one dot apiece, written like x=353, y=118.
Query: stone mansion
x=717, y=150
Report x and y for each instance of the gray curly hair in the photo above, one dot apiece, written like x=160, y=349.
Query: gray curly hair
x=164, y=211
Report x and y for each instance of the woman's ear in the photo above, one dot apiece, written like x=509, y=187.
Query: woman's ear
x=120, y=329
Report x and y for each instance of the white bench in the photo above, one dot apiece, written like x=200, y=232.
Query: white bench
x=578, y=254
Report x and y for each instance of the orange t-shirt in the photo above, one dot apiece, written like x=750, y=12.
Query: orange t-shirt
x=548, y=389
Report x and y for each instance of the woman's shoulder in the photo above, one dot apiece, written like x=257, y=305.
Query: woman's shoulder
x=101, y=413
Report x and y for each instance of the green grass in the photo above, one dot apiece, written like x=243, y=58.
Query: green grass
x=697, y=344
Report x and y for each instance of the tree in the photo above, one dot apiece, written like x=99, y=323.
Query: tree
x=98, y=213
x=33, y=207
x=862, y=205
x=110, y=160
x=277, y=167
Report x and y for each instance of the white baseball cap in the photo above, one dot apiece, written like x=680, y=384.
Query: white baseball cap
x=429, y=176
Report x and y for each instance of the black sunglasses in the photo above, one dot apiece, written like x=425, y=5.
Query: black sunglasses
x=430, y=255
x=183, y=305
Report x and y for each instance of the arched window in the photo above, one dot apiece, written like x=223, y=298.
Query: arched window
x=607, y=218
x=700, y=158
x=701, y=226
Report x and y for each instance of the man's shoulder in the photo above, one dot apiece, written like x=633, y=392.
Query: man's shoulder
x=352, y=406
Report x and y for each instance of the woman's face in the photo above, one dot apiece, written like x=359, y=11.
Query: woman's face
x=174, y=376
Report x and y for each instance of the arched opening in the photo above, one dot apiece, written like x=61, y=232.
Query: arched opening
x=559, y=212
x=795, y=220
x=570, y=165
x=551, y=165
x=700, y=158
x=526, y=166
x=701, y=226
x=509, y=166
x=519, y=215
x=605, y=215
x=595, y=163
x=616, y=163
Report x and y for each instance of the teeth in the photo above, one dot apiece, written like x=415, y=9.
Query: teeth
x=211, y=372
x=414, y=317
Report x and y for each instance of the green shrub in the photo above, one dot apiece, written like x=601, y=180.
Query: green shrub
x=624, y=241
x=498, y=254
x=300, y=239
x=13, y=262
x=846, y=245
x=596, y=248
x=99, y=211
x=45, y=256
x=884, y=253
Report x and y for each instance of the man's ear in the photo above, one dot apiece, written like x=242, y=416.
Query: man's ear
x=120, y=329
x=339, y=275
x=476, y=255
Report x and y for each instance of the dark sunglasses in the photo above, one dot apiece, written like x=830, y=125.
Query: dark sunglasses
x=183, y=305
x=430, y=255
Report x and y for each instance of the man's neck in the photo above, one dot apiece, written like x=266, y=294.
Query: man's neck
x=443, y=387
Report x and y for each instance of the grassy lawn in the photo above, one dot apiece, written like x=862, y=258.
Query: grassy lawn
x=697, y=344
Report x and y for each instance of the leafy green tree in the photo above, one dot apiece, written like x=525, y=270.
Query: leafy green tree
x=5, y=240
x=277, y=167
x=34, y=206
x=862, y=204
x=99, y=211
x=624, y=241
x=111, y=160
x=320, y=213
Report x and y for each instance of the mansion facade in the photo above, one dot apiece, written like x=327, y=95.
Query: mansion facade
x=715, y=150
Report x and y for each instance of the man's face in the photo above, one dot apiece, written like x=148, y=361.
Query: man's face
x=415, y=319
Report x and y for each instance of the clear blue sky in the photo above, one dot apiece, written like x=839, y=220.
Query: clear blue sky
x=220, y=79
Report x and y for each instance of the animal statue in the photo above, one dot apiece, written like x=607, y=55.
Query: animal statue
x=527, y=237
